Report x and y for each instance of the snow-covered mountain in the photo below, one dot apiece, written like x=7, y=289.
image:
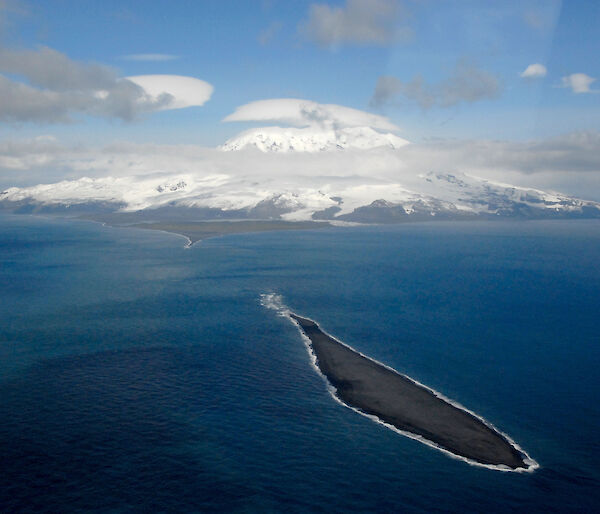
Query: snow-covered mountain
x=417, y=197
x=312, y=139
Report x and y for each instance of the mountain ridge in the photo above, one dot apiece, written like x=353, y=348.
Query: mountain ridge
x=422, y=197
x=309, y=139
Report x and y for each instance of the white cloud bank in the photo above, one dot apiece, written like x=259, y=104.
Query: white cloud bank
x=436, y=177
x=534, y=71
x=306, y=113
x=579, y=83
x=569, y=163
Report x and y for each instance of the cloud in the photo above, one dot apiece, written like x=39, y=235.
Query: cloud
x=577, y=152
x=46, y=86
x=387, y=88
x=467, y=83
x=569, y=163
x=305, y=113
x=20, y=102
x=150, y=57
x=28, y=153
x=543, y=18
x=569, y=153
x=534, y=71
x=358, y=22
x=579, y=83
x=184, y=91
x=270, y=32
x=53, y=70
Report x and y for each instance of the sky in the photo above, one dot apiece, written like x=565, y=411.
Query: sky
x=515, y=78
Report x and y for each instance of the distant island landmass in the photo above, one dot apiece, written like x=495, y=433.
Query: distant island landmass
x=168, y=197
x=395, y=399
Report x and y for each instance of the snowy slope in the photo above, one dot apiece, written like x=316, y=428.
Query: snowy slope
x=360, y=199
x=277, y=139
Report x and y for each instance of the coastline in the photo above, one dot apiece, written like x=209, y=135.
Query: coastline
x=406, y=406
x=195, y=231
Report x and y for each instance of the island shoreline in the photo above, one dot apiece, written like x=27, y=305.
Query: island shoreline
x=528, y=464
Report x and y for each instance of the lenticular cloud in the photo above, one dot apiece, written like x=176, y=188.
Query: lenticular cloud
x=306, y=113
x=184, y=91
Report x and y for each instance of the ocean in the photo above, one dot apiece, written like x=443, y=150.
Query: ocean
x=137, y=375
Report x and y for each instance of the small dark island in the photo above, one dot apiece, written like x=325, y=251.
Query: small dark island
x=398, y=401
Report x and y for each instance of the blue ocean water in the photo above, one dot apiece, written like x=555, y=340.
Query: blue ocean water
x=139, y=376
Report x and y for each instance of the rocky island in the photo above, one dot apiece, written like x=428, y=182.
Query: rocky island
x=395, y=399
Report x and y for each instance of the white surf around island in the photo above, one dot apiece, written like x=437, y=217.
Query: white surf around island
x=274, y=301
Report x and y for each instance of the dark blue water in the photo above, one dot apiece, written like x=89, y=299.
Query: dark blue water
x=139, y=376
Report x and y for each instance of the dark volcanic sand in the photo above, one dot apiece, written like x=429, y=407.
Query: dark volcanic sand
x=393, y=398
